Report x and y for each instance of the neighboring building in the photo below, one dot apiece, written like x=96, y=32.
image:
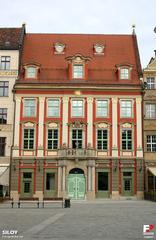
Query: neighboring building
x=78, y=119
x=149, y=125
x=10, y=46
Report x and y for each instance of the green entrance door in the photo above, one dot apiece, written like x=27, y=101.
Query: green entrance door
x=76, y=186
x=50, y=184
x=27, y=184
x=127, y=184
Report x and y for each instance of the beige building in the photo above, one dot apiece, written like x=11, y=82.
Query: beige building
x=10, y=47
x=149, y=127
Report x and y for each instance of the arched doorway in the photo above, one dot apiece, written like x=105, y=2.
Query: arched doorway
x=76, y=184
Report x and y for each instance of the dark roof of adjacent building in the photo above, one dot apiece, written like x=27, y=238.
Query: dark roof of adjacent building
x=11, y=38
x=119, y=49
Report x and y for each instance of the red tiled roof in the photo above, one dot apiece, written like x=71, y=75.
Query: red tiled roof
x=119, y=49
x=10, y=38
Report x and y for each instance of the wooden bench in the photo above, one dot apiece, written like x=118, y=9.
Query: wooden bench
x=28, y=200
x=52, y=200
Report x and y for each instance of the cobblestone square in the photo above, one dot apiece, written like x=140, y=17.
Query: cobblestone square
x=103, y=219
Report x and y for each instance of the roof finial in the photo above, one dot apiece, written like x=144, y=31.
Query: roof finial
x=24, y=23
x=133, y=29
x=155, y=29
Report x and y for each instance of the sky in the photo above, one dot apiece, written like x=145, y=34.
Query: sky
x=85, y=16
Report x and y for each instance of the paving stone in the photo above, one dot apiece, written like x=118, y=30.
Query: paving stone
x=97, y=220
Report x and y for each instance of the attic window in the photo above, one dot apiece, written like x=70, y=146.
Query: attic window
x=78, y=68
x=124, y=73
x=59, y=48
x=31, y=72
x=78, y=71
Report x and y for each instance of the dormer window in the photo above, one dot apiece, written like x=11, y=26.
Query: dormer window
x=77, y=66
x=31, y=72
x=124, y=73
x=78, y=71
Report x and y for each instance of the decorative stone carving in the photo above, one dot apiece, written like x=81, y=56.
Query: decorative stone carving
x=127, y=125
x=90, y=99
x=101, y=125
x=59, y=48
x=78, y=58
x=99, y=49
x=29, y=124
x=52, y=125
x=77, y=124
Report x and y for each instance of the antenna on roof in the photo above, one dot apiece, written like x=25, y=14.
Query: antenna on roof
x=133, y=29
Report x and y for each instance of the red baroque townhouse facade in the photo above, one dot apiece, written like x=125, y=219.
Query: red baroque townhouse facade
x=78, y=118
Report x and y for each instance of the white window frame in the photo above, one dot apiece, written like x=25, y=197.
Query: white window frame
x=150, y=82
x=24, y=112
x=151, y=143
x=53, y=139
x=107, y=109
x=76, y=73
x=34, y=139
x=127, y=150
x=83, y=137
x=150, y=110
x=53, y=99
x=7, y=64
x=32, y=74
x=4, y=86
x=77, y=116
x=121, y=107
x=102, y=149
x=124, y=73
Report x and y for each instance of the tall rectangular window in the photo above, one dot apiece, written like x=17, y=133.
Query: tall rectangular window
x=102, y=139
x=151, y=143
x=126, y=109
x=103, y=182
x=50, y=181
x=28, y=139
x=150, y=83
x=126, y=139
x=2, y=146
x=4, y=87
x=52, y=139
x=29, y=107
x=77, y=108
x=78, y=71
x=77, y=138
x=5, y=63
x=102, y=108
x=3, y=115
x=150, y=110
x=53, y=108
x=124, y=73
